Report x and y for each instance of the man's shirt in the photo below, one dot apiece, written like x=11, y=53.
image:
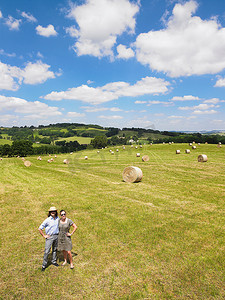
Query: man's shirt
x=51, y=225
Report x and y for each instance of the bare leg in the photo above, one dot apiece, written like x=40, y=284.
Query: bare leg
x=70, y=259
x=65, y=257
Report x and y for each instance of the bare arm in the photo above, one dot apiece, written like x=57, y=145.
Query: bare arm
x=42, y=233
x=74, y=229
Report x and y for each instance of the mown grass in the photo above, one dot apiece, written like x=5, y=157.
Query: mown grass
x=161, y=238
x=79, y=139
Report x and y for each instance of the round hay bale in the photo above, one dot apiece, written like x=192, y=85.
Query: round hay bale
x=124, y=148
x=55, y=156
x=27, y=163
x=52, y=159
x=23, y=159
x=49, y=161
x=177, y=151
x=132, y=174
x=206, y=143
x=98, y=151
x=202, y=158
x=169, y=143
x=138, y=155
x=132, y=146
x=193, y=147
x=187, y=151
x=136, y=147
x=39, y=158
x=66, y=161
x=190, y=144
x=219, y=146
x=0, y=158
x=71, y=153
x=140, y=146
x=219, y=143
x=145, y=158
x=117, y=150
x=86, y=157
x=112, y=152
x=199, y=144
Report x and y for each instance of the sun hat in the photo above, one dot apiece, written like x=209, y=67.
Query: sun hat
x=53, y=208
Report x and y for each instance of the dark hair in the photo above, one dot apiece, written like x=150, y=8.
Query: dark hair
x=62, y=210
x=56, y=214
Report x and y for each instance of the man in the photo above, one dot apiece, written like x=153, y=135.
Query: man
x=51, y=225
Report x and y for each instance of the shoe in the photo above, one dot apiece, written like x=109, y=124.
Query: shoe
x=55, y=264
x=72, y=267
x=43, y=269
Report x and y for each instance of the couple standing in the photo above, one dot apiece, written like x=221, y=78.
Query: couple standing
x=57, y=236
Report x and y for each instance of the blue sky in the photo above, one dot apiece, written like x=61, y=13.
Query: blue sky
x=151, y=63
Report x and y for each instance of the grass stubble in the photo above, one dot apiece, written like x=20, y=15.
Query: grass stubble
x=161, y=238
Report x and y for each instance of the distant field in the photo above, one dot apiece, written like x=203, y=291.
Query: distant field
x=79, y=139
x=161, y=238
x=5, y=141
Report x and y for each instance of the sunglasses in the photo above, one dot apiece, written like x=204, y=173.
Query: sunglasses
x=63, y=214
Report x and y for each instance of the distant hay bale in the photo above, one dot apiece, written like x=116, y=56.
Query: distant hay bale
x=55, y=156
x=71, y=153
x=219, y=143
x=187, y=151
x=199, y=144
x=132, y=146
x=202, y=158
x=169, y=143
x=117, y=150
x=98, y=151
x=140, y=146
x=27, y=163
x=23, y=159
x=0, y=158
x=193, y=142
x=66, y=161
x=206, y=143
x=163, y=143
x=219, y=146
x=177, y=151
x=112, y=152
x=49, y=161
x=39, y=158
x=193, y=147
x=145, y=158
x=132, y=174
x=52, y=159
x=18, y=156
x=150, y=144
x=86, y=157
x=190, y=144
x=124, y=148
x=138, y=155
x=136, y=147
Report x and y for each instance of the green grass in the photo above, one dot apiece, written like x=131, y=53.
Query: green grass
x=79, y=139
x=161, y=238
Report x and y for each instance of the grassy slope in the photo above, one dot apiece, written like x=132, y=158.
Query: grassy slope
x=161, y=238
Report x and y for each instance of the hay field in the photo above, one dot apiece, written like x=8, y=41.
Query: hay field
x=161, y=238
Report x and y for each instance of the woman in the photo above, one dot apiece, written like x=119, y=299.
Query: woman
x=64, y=239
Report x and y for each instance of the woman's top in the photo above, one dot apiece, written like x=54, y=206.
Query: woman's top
x=64, y=241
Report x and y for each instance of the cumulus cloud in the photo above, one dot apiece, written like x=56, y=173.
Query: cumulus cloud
x=28, y=17
x=11, y=77
x=205, y=112
x=99, y=22
x=2, y=52
x=110, y=117
x=187, y=45
x=202, y=106
x=46, y=31
x=124, y=53
x=36, y=73
x=185, y=98
x=140, y=102
x=12, y=23
x=75, y=114
x=22, y=106
x=220, y=82
x=112, y=91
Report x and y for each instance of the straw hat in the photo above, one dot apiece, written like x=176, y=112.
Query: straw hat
x=53, y=208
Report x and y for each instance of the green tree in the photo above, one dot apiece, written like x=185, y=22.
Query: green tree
x=99, y=142
x=22, y=148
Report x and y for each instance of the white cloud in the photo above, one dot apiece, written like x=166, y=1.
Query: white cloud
x=36, y=73
x=213, y=101
x=99, y=23
x=140, y=102
x=110, y=117
x=2, y=52
x=220, y=82
x=12, y=23
x=112, y=91
x=187, y=46
x=185, y=98
x=75, y=114
x=1, y=16
x=200, y=107
x=46, y=31
x=204, y=112
x=124, y=53
x=29, y=17
x=11, y=77
x=22, y=106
